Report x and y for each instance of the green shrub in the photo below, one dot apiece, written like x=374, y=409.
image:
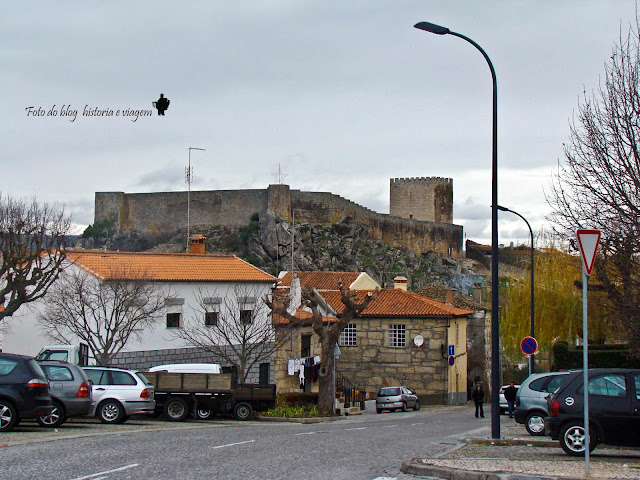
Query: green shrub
x=600, y=356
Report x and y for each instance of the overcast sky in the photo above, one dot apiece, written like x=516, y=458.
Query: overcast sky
x=343, y=95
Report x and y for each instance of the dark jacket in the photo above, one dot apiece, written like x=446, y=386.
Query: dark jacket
x=478, y=396
x=510, y=394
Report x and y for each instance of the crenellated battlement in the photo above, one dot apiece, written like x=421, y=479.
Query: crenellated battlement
x=443, y=180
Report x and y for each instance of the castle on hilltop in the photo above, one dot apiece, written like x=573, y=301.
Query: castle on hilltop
x=420, y=212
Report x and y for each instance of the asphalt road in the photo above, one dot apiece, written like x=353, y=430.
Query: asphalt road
x=363, y=447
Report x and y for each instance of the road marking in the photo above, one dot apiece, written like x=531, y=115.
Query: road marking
x=386, y=478
x=232, y=444
x=305, y=433
x=356, y=428
x=389, y=426
x=94, y=475
x=419, y=423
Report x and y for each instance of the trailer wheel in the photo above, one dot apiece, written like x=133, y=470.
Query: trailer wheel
x=204, y=414
x=242, y=411
x=176, y=409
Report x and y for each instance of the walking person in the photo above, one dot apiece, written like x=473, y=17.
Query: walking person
x=510, y=397
x=478, y=398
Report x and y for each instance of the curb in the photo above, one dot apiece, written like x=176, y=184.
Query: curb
x=411, y=467
x=299, y=420
x=513, y=441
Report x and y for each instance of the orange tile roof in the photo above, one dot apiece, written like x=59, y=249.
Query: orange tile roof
x=320, y=280
x=167, y=267
x=399, y=303
x=302, y=315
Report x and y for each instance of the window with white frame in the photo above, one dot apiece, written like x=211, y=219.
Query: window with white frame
x=212, y=310
x=349, y=336
x=174, y=312
x=397, y=335
x=247, y=306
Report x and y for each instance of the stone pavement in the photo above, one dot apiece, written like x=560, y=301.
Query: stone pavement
x=520, y=456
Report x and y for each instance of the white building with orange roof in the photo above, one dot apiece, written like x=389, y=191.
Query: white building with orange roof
x=191, y=279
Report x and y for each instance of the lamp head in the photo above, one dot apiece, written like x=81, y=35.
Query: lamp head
x=432, y=27
x=503, y=209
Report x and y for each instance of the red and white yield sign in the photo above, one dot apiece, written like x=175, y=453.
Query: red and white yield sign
x=588, y=241
x=529, y=345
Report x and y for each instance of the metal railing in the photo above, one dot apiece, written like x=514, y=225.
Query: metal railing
x=349, y=392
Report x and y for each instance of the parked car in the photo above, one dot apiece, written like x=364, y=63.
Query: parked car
x=118, y=393
x=531, y=399
x=24, y=390
x=394, y=398
x=614, y=403
x=70, y=391
x=504, y=406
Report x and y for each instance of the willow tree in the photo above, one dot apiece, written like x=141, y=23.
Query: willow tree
x=558, y=304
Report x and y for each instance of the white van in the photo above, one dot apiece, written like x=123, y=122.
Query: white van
x=187, y=368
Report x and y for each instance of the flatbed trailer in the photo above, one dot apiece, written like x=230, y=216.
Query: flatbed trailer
x=204, y=394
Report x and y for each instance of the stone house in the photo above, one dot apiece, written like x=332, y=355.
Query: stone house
x=401, y=338
x=199, y=284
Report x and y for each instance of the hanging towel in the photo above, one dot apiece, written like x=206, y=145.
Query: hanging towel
x=291, y=366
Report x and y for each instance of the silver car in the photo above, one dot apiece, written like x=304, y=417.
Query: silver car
x=531, y=400
x=394, y=398
x=70, y=391
x=118, y=393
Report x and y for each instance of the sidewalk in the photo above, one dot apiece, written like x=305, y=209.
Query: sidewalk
x=520, y=456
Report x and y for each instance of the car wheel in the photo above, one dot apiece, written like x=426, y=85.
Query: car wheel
x=8, y=416
x=204, y=414
x=242, y=411
x=572, y=439
x=176, y=409
x=404, y=407
x=55, y=418
x=535, y=424
x=416, y=407
x=378, y=410
x=110, y=411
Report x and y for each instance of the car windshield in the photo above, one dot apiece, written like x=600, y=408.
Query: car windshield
x=386, y=392
x=143, y=378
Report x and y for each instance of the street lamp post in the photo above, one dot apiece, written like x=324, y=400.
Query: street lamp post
x=188, y=178
x=533, y=330
x=495, y=314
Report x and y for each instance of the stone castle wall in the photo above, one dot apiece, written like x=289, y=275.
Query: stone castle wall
x=428, y=199
x=167, y=212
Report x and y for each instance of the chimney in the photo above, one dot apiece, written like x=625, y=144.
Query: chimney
x=449, y=297
x=400, y=283
x=196, y=244
x=295, y=292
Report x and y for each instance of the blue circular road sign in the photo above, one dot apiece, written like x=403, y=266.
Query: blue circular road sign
x=529, y=345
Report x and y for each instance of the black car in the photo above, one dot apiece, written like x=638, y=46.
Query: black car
x=24, y=390
x=614, y=410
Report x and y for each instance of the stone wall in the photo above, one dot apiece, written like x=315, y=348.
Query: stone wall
x=167, y=212
x=429, y=199
x=142, y=360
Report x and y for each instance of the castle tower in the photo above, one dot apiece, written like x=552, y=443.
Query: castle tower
x=428, y=199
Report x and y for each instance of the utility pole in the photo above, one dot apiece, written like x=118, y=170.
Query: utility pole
x=188, y=177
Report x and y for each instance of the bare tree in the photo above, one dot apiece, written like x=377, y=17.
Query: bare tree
x=236, y=328
x=328, y=332
x=32, y=236
x=599, y=185
x=106, y=314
